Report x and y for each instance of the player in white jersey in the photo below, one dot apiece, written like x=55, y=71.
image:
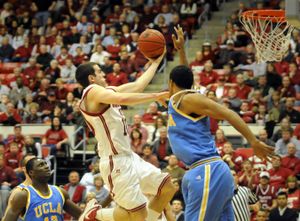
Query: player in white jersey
x=128, y=176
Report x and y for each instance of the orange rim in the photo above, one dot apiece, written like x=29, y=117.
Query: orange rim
x=272, y=15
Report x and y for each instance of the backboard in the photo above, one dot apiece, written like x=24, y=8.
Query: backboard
x=292, y=12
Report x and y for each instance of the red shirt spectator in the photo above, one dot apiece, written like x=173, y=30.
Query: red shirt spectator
x=13, y=157
x=117, y=77
x=151, y=114
x=7, y=175
x=293, y=193
x=265, y=192
x=78, y=193
x=127, y=64
x=23, y=52
x=63, y=56
x=17, y=137
x=198, y=63
x=114, y=50
x=233, y=159
x=148, y=156
x=291, y=161
x=287, y=89
x=55, y=136
x=208, y=76
x=11, y=116
x=297, y=131
x=278, y=174
x=32, y=70
x=137, y=124
x=281, y=67
x=293, y=74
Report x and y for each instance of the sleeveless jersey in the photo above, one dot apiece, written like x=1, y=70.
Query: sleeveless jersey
x=190, y=137
x=109, y=127
x=44, y=208
x=265, y=196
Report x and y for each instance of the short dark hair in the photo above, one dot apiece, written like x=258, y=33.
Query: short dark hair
x=23, y=161
x=29, y=165
x=83, y=71
x=182, y=76
x=282, y=193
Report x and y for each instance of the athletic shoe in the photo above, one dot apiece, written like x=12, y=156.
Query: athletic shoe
x=90, y=211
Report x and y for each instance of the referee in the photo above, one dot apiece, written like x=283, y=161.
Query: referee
x=241, y=201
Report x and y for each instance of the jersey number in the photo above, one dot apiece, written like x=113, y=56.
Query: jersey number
x=53, y=218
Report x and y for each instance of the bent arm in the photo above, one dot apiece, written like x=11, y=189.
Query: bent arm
x=201, y=105
x=99, y=94
x=70, y=207
x=16, y=206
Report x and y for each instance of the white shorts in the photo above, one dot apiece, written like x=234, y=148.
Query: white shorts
x=130, y=178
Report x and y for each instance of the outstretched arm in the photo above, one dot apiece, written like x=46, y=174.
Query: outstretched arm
x=179, y=45
x=99, y=95
x=201, y=105
x=142, y=82
x=17, y=205
x=70, y=207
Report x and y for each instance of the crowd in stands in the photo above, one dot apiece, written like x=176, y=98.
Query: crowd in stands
x=44, y=41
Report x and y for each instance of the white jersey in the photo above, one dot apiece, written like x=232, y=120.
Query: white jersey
x=109, y=127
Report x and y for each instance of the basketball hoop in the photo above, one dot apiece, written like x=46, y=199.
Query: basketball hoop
x=270, y=32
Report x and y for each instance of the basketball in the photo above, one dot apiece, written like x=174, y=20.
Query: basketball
x=151, y=43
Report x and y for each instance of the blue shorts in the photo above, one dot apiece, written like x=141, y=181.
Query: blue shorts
x=207, y=190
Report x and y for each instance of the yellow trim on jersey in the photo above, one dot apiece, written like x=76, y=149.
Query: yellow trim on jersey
x=186, y=115
x=205, y=193
x=41, y=195
x=27, y=203
x=61, y=193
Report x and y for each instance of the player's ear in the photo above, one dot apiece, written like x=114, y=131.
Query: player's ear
x=91, y=78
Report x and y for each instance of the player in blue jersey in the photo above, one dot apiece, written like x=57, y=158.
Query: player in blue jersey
x=40, y=201
x=208, y=185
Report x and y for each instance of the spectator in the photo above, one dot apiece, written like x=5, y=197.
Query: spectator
x=117, y=77
x=56, y=138
x=263, y=87
x=278, y=174
x=48, y=103
x=290, y=161
x=263, y=136
x=233, y=160
x=13, y=156
x=61, y=91
x=234, y=102
x=293, y=74
x=114, y=50
x=282, y=212
x=109, y=39
x=32, y=68
x=162, y=148
x=137, y=124
x=57, y=45
x=18, y=93
x=265, y=192
x=53, y=71
x=281, y=145
x=99, y=54
x=75, y=190
x=33, y=117
x=198, y=63
x=82, y=25
x=63, y=56
x=3, y=88
x=226, y=55
x=261, y=215
x=297, y=131
x=6, y=50
x=242, y=89
x=243, y=199
x=87, y=179
x=154, y=131
x=151, y=114
x=79, y=57
x=173, y=169
x=17, y=73
x=10, y=117
x=44, y=58
x=208, y=75
x=136, y=138
x=83, y=44
x=261, y=117
x=68, y=72
x=165, y=13
x=247, y=175
x=99, y=189
x=293, y=193
x=32, y=147
x=287, y=89
x=284, y=125
x=42, y=10
x=220, y=140
x=273, y=78
x=127, y=65
x=148, y=155
x=8, y=180
x=177, y=209
x=17, y=137
x=23, y=52
x=289, y=111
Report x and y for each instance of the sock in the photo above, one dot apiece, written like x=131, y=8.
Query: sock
x=105, y=214
x=152, y=215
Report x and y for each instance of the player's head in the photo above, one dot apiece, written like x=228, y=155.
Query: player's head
x=38, y=170
x=90, y=73
x=181, y=77
x=25, y=160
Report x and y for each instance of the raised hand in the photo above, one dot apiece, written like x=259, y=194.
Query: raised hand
x=262, y=150
x=179, y=41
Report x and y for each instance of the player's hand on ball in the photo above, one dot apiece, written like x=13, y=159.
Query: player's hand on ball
x=179, y=41
x=159, y=59
x=262, y=150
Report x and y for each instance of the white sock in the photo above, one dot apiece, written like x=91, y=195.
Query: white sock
x=105, y=214
x=152, y=215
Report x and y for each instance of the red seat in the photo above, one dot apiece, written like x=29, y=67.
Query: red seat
x=245, y=152
x=9, y=66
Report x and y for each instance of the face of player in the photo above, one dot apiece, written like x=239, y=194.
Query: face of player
x=41, y=171
x=99, y=77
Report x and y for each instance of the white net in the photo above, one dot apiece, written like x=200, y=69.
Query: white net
x=270, y=34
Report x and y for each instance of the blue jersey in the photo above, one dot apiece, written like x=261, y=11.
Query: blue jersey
x=190, y=137
x=44, y=208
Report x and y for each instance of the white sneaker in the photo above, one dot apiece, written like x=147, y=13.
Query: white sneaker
x=90, y=211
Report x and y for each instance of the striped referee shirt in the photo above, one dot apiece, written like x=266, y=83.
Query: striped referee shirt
x=243, y=196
